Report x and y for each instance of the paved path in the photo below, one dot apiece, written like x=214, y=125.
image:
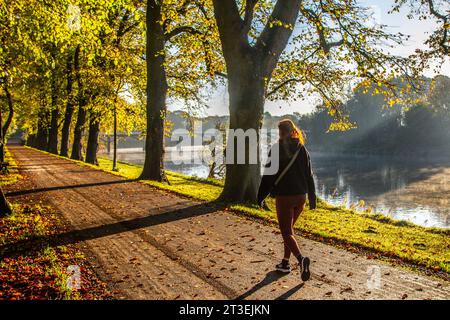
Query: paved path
x=150, y=244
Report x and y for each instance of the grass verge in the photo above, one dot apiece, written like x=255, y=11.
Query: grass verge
x=383, y=237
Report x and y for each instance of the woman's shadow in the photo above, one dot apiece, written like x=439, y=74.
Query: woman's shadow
x=271, y=276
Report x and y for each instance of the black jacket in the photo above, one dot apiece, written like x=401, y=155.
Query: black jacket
x=297, y=180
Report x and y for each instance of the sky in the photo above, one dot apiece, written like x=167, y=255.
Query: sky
x=397, y=22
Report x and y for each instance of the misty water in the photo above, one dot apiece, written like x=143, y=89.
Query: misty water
x=414, y=190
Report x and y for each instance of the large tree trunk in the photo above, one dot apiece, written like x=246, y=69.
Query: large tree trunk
x=156, y=94
x=246, y=91
x=68, y=115
x=249, y=69
x=92, y=143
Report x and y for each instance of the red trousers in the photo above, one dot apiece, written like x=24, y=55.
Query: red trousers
x=288, y=211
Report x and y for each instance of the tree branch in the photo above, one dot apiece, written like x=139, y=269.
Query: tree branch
x=180, y=30
x=281, y=85
x=202, y=9
x=277, y=32
x=314, y=18
x=445, y=18
x=248, y=17
x=435, y=12
x=230, y=24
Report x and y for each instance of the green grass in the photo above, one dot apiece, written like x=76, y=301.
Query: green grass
x=384, y=237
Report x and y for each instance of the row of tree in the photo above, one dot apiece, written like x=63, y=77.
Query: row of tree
x=72, y=68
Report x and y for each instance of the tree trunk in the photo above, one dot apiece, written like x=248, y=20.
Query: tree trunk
x=114, y=167
x=42, y=133
x=249, y=69
x=64, y=151
x=54, y=126
x=92, y=144
x=78, y=131
x=246, y=91
x=5, y=208
x=2, y=144
x=65, y=133
x=31, y=140
x=53, y=132
x=10, y=109
x=156, y=94
x=5, y=127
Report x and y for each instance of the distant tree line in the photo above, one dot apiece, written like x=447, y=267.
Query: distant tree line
x=422, y=128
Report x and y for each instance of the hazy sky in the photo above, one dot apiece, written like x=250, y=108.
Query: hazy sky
x=398, y=22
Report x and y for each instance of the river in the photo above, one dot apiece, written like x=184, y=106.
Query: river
x=414, y=190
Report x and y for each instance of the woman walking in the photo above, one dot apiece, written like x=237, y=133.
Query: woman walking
x=290, y=186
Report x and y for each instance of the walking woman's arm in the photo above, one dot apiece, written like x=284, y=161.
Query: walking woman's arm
x=310, y=180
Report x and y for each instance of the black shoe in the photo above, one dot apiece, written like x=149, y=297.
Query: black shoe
x=284, y=266
x=305, y=274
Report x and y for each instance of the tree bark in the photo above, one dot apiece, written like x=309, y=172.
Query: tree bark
x=77, y=148
x=246, y=91
x=68, y=115
x=53, y=132
x=31, y=140
x=42, y=132
x=249, y=69
x=78, y=132
x=54, y=125
x=92, y=143
x=156, y=94
x=5, y=127
x=5, y=208
x=10, y=109
x=114, y=167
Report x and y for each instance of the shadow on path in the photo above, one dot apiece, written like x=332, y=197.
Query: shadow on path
x=290, y=292
x=270, y=277
x=58, y=188
x=30, y=246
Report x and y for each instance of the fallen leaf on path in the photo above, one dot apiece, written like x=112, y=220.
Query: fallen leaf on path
x=347, y=289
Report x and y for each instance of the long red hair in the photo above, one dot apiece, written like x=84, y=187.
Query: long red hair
x=288, y=127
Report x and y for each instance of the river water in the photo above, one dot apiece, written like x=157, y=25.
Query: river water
x=412, y=190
